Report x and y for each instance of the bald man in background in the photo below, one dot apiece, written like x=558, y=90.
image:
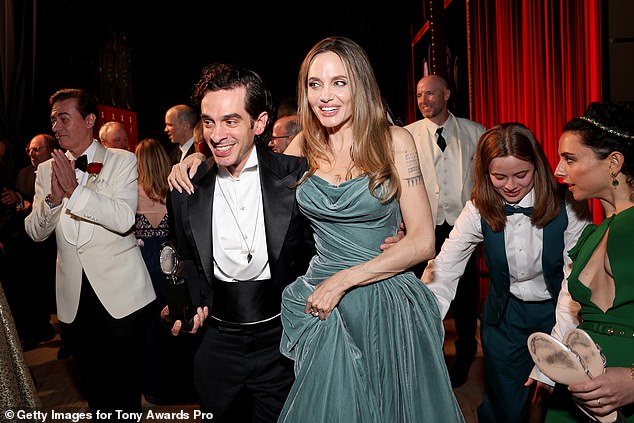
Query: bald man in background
x=446, y=145
x=113, y=135
x=180, y=122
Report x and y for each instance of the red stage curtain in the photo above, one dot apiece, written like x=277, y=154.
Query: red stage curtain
x=537, y=62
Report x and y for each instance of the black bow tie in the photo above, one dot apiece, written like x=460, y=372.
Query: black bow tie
x=509, y=210
x=81, y=163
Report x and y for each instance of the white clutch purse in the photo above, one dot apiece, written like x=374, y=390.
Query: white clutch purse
x=573, y=360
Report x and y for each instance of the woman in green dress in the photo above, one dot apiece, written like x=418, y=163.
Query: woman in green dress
x=365, y=334
x=597, y=161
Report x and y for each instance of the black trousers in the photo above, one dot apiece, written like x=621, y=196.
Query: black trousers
x=241, y=376
x=109, y=354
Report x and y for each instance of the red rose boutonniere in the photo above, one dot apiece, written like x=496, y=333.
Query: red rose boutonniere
x=93, y=169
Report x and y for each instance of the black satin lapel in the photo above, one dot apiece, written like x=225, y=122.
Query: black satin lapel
x=278, y=204
x=200, y=215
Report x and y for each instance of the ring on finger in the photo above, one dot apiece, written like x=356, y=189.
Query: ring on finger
x=315, y=313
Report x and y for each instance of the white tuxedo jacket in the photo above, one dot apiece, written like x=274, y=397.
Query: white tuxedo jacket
x=462, y=144
x=95, y=235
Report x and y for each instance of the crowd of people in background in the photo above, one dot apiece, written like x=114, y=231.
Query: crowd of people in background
x=322, y=245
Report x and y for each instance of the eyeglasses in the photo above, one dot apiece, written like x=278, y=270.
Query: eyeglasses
x=280, y=137
x=29, y=150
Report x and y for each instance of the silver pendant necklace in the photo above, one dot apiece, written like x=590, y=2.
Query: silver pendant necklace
x=235, y=219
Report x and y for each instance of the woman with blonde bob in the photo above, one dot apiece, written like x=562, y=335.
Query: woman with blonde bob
x=527, y=225
x=364, y=333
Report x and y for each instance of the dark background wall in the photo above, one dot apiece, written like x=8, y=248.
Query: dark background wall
x=146, y=58
x=620, y=51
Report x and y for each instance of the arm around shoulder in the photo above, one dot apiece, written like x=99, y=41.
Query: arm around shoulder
x=295, y=148
x=418, y=243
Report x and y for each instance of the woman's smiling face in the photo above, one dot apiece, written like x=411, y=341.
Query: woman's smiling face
x=329, y=93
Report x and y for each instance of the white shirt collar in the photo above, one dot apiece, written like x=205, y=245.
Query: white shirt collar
x=447, y=126
x=89, y=152
x=251, y=164
x=527, y=201
x=185, y=147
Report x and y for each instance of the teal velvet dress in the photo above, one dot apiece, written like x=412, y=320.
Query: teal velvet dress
x=378, y=356
x=612, y=330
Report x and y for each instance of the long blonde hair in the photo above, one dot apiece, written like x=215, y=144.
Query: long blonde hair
x=372, y=150
x=153, y=167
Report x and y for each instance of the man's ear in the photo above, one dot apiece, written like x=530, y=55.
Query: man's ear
x=260, y=123
x=90, y=120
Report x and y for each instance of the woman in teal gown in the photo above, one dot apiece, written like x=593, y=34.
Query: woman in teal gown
x=365, y=334
x=597, y=161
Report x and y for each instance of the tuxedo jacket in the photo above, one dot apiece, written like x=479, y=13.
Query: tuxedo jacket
x=467, y=134
x=290, y=242
x=103, y=245
x=175, y=156
x=175, y=153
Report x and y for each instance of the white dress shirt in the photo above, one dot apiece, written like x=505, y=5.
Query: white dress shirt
x=82, y=177
x=71, y=232
x=239, y=199
x=523, y=246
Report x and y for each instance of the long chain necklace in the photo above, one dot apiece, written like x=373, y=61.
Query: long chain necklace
x=255, y=227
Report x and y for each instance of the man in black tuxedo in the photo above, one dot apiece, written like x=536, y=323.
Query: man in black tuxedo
x=180, y=121
x=249, y=191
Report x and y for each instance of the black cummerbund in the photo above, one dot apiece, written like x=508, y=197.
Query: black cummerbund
x=245, y=302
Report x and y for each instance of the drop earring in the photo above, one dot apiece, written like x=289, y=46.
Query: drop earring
x=615, y=182
x=614, y=161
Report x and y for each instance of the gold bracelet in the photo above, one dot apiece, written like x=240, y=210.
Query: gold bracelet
x=632, y=372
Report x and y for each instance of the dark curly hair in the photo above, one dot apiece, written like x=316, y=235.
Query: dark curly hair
x=608, y=127
x=224, y=76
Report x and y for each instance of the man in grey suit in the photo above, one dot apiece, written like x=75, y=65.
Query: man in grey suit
x=446, y=145
x=88, y=198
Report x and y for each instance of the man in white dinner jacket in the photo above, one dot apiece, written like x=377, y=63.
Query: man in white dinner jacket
x=446, y=145
x=103, y=288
